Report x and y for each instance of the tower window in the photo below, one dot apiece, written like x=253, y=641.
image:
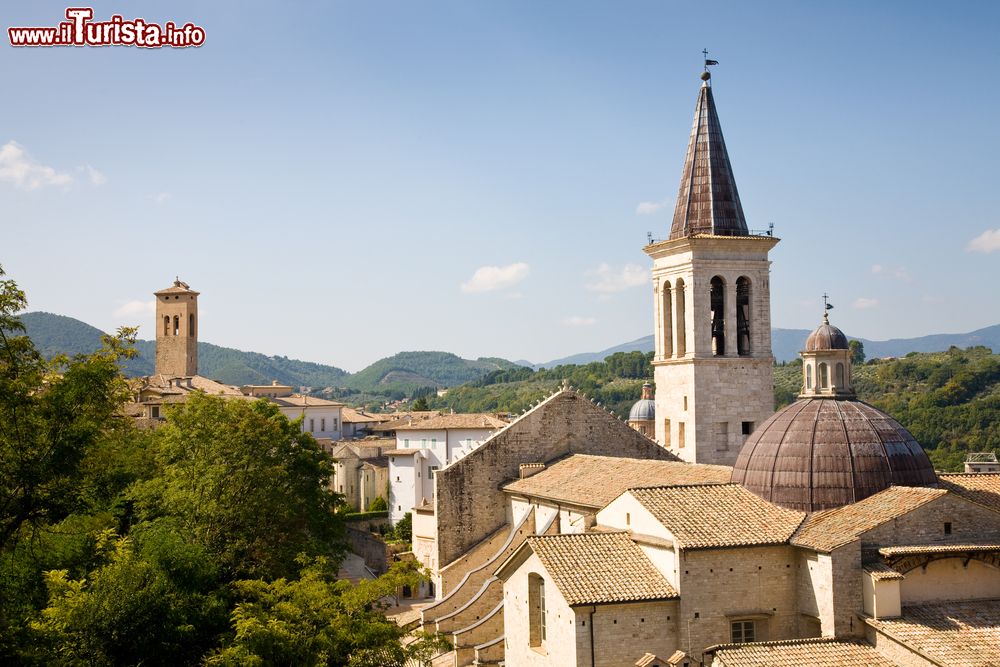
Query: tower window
x=824, y=377
x=840, y=376
x=667, y=317
x=743, y=346
x=177, y=324
x=717, y=302
x=166, y=325
x=809, y=376
x=680, y=309
x=191, y=324
x=680, y=435
x=747, y=428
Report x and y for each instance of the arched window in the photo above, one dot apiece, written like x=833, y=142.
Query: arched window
x=667, y=318
x=191, y=324
x=536, y=610
x=824, y=377
x=717, y=302
x=809, y=376
x=840, y=376
x=166, y=325
x=680, y=318
x=743, y=347
x=177, y=324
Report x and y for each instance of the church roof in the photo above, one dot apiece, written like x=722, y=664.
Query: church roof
x=948, y=633
x=819, y=652
x=829, y=529
x=600, y=568
x=826, y=337
x=457, y=421
x=980, y=488
x=594, y=481
x=179, y=287
x=707, y=202
x=722, y=515
x=819, y=453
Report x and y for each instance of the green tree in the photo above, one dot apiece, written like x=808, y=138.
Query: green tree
x=403, y=530
x=420, y=404
x=316, y=620
x=246, y=483
x=378, y=505
x=51, y=416
x=857, y=352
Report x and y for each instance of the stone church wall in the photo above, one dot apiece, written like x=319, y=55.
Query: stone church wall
x=469, y=501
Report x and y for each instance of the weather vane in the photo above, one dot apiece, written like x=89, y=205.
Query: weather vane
x=708, y=62
x=826, y=303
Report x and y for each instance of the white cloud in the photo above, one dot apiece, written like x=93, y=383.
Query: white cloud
x=96, y=177
x=135, y=308
x=578, y=321
x=864, y=302
x=491, y=278
x=159, y=197
x=897, y=272
x=607, y=280
x=21, y=170
x=988, y=241
x=650, y=207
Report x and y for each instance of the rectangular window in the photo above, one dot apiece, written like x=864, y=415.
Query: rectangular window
x=947, y=527
x=322, y=424
x=155, y=412
x=680, y=435
x=434, y=442
x=423, y=443
x=312, y=425
x=747, y=428
x=666, y=433
x=335, y=422
x=406, y=443
x=742, y=632
x=685, y=402
x=430, y=471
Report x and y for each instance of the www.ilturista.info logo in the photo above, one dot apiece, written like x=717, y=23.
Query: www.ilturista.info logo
x=80, y=30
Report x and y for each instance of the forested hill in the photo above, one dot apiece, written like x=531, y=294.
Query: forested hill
x=57, y=334
x=950, y=401
x=397, y=376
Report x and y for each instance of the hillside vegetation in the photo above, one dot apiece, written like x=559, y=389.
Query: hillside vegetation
x=949, y=401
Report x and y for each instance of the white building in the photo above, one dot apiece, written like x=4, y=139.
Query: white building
x=320, y=417
x=427, y=445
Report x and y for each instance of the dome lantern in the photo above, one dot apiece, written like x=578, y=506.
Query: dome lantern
x=826, y=363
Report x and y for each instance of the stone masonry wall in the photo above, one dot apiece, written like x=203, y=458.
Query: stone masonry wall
x=470, y=504
x=969, y=523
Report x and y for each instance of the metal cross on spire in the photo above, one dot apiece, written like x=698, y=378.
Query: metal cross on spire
x=708, y=62
x=826, y=307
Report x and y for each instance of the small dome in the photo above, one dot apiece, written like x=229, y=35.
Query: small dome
x=826, y=337
x=820, y=453
x=644, y=410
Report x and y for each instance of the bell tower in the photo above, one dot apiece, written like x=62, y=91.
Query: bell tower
x=712, y=307
x=177, y=330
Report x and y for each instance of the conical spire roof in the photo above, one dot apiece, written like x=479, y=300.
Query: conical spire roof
x=708, y=202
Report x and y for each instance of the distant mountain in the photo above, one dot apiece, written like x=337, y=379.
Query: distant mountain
x=403, y=372
x=407, y=371
x=55, y=334
x=786, y=344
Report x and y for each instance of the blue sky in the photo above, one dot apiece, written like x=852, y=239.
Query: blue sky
x=335, y=176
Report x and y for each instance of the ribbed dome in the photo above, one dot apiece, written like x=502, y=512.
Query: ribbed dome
x=643, y=410
x=826, y=337
x=819, y=453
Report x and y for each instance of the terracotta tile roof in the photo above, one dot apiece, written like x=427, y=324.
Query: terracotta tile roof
x=718, y=515
x=352, y=416
x=395, y=420
x=881, y=572
x=300, y=401
x=799, y=652
x=939, y=548
x=829, y=529
x=402, y=452
x=596, y=568
x=982, y=488
x=951, y=633
x=454, y=421
x=594, y=481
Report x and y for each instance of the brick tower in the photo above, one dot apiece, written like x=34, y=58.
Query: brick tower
x=712, y=307
x=177, y=330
